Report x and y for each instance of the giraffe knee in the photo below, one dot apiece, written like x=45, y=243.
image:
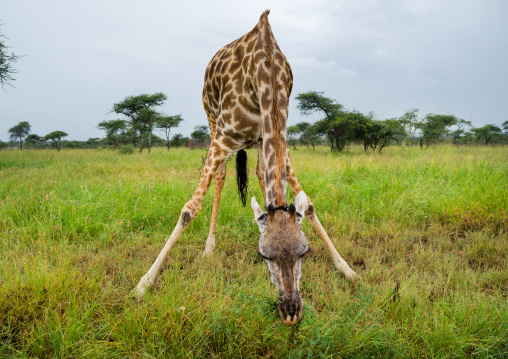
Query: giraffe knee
x=309, y=211
x=189, y=212
x=185, y=217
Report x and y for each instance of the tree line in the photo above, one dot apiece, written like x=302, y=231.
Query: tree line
x=337, y=128
x=22, y=130
x=136, y=129
x=340, y=126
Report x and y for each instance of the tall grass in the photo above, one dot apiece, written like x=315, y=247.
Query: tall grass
x=425, y=230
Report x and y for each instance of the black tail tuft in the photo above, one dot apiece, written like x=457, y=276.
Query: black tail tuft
x=242, y=178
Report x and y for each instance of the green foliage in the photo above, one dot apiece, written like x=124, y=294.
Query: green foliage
x=139, y=109
x=409, y=120
x=131, y=105
x=166, y=123
x=312, y=101
x=33, y=140
x=435, y=127
x=200, y=133
x=291, y=131
x=93, y=142
x=341, y=126
x=487, y=134
x=19, y=132
x=460, y=135
x=56, y=138
x=113, y=128
x=126, y=149
x=6, y=63
x=177, y=140
x=382, y=133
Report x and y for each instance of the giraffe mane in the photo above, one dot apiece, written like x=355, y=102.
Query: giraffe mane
x=275, y=115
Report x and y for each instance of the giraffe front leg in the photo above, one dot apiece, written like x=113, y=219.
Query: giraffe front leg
x=216, y=158
x=219, y=180
x=310, y=213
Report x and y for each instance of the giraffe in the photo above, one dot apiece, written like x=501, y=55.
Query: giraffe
x=245, y=96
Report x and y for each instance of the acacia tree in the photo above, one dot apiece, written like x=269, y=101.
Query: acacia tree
x=93, y=142
x=382, y=133
x=200, y=134
x=487, y=134
x=113, y=128
x=142, y=116
x=410, y=122
x=303, y=126
x=309, y=135
x=176, y=139
x=166, y=123
x=19, y=132
x=459, y=134
x=56, y=138
x=6, y=61
x=347, y=126
x=33, y=140
x=331, y=125
x=291, y=132
x=435, y=127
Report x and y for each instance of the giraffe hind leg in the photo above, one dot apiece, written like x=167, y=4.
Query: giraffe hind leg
x=219, y=180
x=260, y=172
x=310, y=213
x=217, y=156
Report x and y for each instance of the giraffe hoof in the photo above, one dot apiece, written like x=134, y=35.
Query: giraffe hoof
x=142, y=286
x=351, y=276
x=208, y=252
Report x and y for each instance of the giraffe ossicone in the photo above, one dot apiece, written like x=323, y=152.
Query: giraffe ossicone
x=246, y=95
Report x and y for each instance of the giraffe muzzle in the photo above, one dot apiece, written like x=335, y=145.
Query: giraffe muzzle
x=290, y=309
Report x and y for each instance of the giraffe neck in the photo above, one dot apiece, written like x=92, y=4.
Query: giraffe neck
x=273, y=100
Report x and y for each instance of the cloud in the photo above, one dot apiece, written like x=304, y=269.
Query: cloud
x=348, y=72
x=311, y=63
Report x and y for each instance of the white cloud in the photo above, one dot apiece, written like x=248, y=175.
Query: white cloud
x=311, y=63
x=348, y=72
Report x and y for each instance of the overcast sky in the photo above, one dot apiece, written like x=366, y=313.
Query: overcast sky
x=383, y=56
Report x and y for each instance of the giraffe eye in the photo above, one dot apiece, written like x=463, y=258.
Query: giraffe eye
x=308, y=250
x=262, y=256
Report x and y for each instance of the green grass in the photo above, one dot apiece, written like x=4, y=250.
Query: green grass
x=78, y=228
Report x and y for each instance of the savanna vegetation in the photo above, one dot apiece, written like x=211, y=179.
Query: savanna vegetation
x=7, y=60
x=426, y=230
x=338, y=128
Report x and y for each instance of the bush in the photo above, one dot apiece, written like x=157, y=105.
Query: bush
x=126, y=149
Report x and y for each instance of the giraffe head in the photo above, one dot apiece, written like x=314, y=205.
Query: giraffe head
x=282, y=245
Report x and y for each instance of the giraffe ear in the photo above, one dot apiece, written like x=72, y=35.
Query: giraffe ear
x=300, y=204
x=260, y=216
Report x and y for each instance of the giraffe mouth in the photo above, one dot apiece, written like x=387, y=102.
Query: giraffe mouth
x=290, y=309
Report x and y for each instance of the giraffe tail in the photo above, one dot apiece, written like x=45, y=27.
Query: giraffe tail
x=242, y=175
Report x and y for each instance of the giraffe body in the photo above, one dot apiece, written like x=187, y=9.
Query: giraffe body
x=245, y=96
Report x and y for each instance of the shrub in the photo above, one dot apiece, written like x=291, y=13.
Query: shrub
x=126, y=149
